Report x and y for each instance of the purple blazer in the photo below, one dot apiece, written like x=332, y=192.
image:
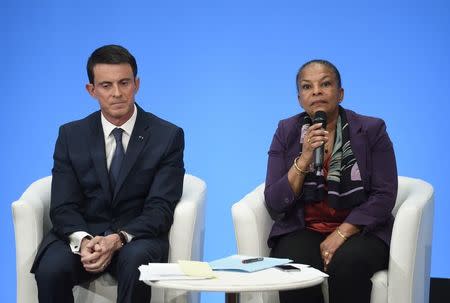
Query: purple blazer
x=374, y=154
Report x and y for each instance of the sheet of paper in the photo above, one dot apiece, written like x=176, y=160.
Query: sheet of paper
x=196, y=269
x=306, y=271
x=299, y=265
x=312, y=272
x=164, y=271
x=234, y=262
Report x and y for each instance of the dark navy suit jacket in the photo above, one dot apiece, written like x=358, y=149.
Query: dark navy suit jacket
x=374, y=154
x=148, y=188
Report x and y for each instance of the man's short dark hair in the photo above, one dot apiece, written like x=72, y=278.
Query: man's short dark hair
x=110, y=54
x=323, y=62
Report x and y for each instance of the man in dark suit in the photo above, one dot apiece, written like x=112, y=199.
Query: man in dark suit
x=117, y=177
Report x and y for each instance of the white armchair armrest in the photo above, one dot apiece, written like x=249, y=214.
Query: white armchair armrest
x=410, y=251
x=31, y=220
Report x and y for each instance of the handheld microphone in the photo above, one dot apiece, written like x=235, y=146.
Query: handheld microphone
x=319, y=117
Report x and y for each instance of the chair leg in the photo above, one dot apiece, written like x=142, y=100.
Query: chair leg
x=232, y=297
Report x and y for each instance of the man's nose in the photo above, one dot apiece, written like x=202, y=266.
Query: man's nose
x=116, y=91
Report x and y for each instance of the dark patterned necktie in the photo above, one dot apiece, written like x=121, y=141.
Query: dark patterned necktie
x=117, y=159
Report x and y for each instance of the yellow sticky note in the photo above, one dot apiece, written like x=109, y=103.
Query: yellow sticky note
x=196, y=269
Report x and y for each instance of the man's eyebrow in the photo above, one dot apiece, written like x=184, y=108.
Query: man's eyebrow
x=110, y=82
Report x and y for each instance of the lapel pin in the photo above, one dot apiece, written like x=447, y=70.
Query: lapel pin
x=140, y=138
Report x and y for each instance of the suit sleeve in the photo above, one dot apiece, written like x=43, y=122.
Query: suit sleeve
x=278, y=194
x=165, y=192
x=383, y=182
x=66, y=194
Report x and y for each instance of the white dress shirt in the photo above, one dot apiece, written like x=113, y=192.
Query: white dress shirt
x=110, y=146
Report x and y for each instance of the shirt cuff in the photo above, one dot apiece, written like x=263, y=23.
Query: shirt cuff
x=75, y=240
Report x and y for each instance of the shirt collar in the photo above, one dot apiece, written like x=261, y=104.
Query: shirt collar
x=127, y=127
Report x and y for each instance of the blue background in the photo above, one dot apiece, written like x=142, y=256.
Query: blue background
x=224, y=71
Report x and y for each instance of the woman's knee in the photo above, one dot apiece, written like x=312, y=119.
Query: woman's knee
x=349, y=265
x=360, y=259
x=302, y=246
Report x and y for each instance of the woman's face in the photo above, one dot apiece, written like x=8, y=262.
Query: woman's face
x=318, y=90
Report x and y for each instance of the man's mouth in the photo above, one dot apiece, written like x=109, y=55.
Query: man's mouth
x=117, y=103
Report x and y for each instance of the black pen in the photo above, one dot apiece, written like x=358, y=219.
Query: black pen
x=251, y=260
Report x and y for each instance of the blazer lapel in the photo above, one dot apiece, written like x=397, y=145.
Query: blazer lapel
x=138, y=139
x=359, y=143
x=98, y=154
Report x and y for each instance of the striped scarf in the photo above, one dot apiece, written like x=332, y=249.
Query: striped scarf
x=343, y=187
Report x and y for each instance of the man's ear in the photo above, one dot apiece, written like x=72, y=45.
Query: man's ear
x=137, y=82
x=91, y=89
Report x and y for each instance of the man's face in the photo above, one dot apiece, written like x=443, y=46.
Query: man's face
x=114, y=87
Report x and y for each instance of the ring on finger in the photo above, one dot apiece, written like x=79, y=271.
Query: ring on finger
x=326, y=253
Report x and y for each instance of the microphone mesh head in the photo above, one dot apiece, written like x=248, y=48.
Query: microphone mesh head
x=320, y=117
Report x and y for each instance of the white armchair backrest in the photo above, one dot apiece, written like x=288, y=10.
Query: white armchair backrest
x=188, y=237
x=41, y=187
x=252, y=221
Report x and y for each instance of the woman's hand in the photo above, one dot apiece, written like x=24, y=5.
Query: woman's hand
x=315, y=136
x=331, y=244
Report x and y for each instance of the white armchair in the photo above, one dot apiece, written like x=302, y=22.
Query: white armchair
x=32, y=221
x=407, y=279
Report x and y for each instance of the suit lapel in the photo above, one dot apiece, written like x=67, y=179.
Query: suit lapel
x=138, y=140
x=98, y=154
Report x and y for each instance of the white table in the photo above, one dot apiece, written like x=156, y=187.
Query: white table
x=232, y=283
